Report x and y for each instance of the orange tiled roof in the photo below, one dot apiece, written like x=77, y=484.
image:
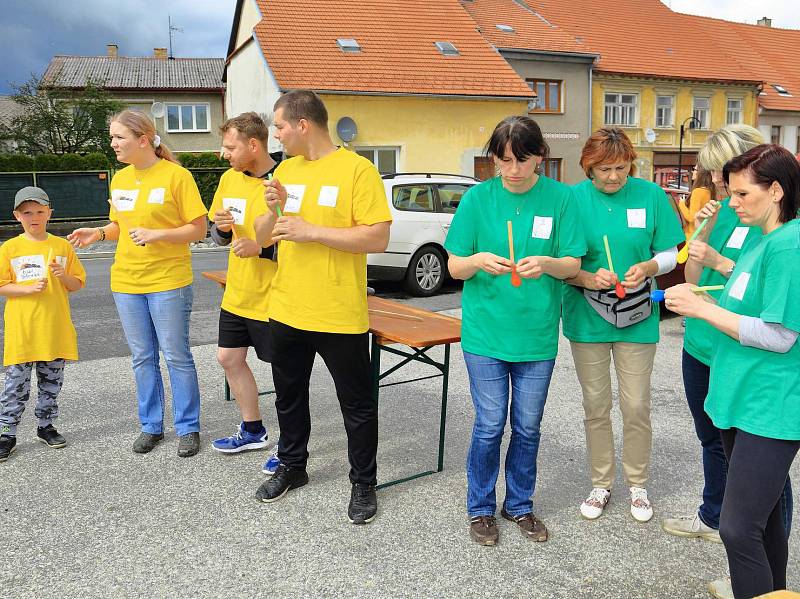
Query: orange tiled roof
x=531, y=30
x=398, y=55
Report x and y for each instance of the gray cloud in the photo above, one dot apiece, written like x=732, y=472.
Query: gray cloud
x=33, y=31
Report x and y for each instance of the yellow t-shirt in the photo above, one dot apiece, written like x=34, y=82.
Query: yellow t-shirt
x=249, y=279
x=164, y=196
x=38, y=327
x=318, y=288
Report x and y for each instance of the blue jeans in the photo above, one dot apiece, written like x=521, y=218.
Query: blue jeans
x=161, y=320
x=489, y=384
x=715, y=466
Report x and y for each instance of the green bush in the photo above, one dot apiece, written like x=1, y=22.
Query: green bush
x=47, y=162
x=96, y=161
x=4, y=163
x=73, y=162
x=19, y=163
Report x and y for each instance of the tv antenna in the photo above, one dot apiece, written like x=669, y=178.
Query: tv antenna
x=172, y=28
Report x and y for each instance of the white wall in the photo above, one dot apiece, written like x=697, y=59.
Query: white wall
x=787, y=121
x=251, y=86
x=247, y=20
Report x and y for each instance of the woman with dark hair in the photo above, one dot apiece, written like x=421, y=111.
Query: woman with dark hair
x=609, y=313
x=702, y=193
x=156, y=211
x=513, y=238
x=754, y=385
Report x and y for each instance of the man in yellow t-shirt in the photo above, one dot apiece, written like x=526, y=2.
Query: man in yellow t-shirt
x=243, y=315
x=37, y=272
x=333, y=211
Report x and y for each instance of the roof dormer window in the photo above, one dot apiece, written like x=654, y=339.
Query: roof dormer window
x=348, y=45
x=781, y=90
x=447, y=48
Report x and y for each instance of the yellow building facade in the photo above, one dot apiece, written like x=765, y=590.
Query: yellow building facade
x=651, y=112
x=420, y=134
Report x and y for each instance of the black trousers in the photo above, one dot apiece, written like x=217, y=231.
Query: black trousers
x=347, y=359
x=752, y=522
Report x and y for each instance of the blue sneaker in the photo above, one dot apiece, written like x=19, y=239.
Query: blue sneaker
x=272, y=463
x=241, y=441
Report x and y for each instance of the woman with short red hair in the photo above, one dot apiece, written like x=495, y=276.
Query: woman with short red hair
x=632, y=235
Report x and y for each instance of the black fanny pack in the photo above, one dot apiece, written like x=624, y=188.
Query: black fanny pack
x=634, y=307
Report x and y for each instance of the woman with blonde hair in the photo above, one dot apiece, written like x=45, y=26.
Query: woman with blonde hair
x=156, y=211
x=632, y=234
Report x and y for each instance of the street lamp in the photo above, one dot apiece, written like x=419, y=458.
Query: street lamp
x=694, y=122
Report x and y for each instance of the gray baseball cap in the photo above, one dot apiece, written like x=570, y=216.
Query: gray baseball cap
x=34, y=194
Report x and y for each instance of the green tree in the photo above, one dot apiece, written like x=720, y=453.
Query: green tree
x=61, y=121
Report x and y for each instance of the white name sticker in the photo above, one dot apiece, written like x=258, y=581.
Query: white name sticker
x=124, y=200
x=294, y=197
x=29, y=268
x=328, y=195
x=736, y=240
x=739, y=286
x=237, y=207
x=156, y=196
x=542, y=227
x=62, y=260
x=637, y=218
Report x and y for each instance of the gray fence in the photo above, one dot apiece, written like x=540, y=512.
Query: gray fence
x=73, y=195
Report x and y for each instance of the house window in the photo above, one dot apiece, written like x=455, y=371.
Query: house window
x=701, y=107
x=664, y=106
x=548, y=95
x=551, y=168
x=775, y=134
x=385, y=159
x=187, y=117
x=734, y=111
x=620, y=109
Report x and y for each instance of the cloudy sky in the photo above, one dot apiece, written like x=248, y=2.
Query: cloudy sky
x=32, y=31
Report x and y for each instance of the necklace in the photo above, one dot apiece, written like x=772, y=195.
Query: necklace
x=140, y=174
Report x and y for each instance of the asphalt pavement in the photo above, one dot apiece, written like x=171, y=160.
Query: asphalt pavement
x=96, y=520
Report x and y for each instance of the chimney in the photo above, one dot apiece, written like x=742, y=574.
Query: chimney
x=160, y=53
x=764, y=22
x=112, y=50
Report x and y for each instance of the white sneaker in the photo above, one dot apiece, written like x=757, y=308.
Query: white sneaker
x=641, y=509
x=593, y=506
x=690, y=527
x=721, y=589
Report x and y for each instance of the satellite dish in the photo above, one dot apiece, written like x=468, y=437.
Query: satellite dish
x=650, y=135
x=157, y=110
x=346, y=129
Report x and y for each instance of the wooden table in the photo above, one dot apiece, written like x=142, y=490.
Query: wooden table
x=419, y=331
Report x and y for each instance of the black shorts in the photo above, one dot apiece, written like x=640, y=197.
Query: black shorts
x=238, y=331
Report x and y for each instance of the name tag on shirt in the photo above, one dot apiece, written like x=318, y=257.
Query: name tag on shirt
x=739, y=286
x=294, y=197
x=542, y=227
x=237, y=207
x=124, y=200
x=736, y=240
x=328, y=195
x=156, y=196
x=62, y=260
x=29, y=268
x=637, y=218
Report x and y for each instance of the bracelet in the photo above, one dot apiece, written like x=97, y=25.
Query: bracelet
x=102, y=233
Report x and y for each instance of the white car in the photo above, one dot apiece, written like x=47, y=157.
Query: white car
x=422, y=206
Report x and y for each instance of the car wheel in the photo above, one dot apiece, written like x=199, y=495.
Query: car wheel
x=426, y=272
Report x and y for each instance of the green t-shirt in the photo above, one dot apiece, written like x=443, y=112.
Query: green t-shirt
x=515, y=324
x=752, y=389
x=640, y=222
x=729, y=237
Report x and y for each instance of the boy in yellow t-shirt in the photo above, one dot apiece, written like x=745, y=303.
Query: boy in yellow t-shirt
x=37, y=270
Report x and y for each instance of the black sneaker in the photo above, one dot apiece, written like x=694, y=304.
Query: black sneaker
x=146, y=442
x=50, y=437
x=188, y=445
x=284, y=480
x=363, y=504
x=8, y=444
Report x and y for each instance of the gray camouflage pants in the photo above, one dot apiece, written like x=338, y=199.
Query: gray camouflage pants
x=50, y=378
